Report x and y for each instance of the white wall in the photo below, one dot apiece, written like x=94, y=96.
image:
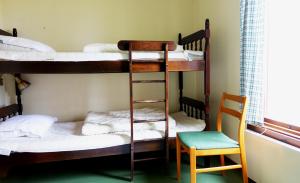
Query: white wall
x=69, y=25
x=268, y=160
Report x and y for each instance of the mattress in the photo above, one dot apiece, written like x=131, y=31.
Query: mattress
x=99, y=56
x=66, y=136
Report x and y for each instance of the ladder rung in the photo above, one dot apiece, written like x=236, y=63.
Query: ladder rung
x=149, y=121
x=149, y=140
x=149, y=81
x=148, y=101
x=148, y=159
x=148, y=61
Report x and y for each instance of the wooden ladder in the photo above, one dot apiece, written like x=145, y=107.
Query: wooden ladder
x=143, y=64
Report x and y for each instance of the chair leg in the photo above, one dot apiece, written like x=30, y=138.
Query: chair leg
x=244, y=165
x=222, y=161
x=178, y=158
x=193, y=164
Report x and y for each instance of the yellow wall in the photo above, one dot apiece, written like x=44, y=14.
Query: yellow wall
x=1, y=14
x=268, y=161
x=70, y=24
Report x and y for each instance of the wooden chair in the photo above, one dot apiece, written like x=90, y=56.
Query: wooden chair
x=210, y=143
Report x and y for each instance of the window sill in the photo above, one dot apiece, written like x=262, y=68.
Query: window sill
x=275, y=135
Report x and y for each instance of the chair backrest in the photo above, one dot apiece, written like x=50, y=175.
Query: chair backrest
x=239, y=114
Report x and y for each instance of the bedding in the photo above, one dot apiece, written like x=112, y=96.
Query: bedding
x=66, y=136
x=110, y=47
x=26, y=126
x=25, y=44
x=119, y=121
x=179, y=48
x=6, y=47
x=96, y=56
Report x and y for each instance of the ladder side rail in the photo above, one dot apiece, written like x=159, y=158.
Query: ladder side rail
x=131, y=113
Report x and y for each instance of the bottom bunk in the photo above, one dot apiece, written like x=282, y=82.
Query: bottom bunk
x=64, y=140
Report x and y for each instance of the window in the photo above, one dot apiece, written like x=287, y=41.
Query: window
x=282, y=72
x=283, y=62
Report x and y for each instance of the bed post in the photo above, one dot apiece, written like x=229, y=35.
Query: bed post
x=207, y=74
x=18, y=94
x=15, y=32
x=180, y=76
x=18, y=91
x=180, y=89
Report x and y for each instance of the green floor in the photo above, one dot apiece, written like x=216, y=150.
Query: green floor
x=110, y=171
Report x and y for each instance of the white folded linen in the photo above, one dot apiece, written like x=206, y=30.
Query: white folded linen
x=118, y=121
x=140, y=114
x=194, y=55
x=185, y=123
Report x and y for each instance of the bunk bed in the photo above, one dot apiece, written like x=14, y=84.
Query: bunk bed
x=197, y=109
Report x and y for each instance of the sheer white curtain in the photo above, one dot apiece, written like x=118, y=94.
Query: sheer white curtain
x=252, y=54
x=283, y=61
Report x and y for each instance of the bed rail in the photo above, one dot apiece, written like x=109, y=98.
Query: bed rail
x=195, y=41
x=8, y=111
x=5, y=33
x=192, y=107
x=145, y=45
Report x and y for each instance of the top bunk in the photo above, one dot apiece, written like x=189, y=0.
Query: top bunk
x=109, y=62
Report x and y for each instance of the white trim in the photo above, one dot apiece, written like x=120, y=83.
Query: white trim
x=273, y=140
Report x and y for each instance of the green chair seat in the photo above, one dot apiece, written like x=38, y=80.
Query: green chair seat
x=207, y=140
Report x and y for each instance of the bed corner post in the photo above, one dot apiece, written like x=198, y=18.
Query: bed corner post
x=18, y=94
x=179, y=39
x=180, y=76
x=18, y=91
x=15, y=32
x=207, y=74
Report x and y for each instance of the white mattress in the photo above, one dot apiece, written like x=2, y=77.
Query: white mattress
x=100, y=56
x=66, y=136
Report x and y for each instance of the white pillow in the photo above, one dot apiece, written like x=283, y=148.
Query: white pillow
x=6, y=47
x=25, y=43
x=101, y=47
x=26, y=125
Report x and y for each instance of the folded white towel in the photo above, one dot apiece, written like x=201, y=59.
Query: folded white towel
x=118, y=121
x=141, y=114
x=194, y=55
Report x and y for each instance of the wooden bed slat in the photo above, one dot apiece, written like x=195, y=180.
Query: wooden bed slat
x=45, y=67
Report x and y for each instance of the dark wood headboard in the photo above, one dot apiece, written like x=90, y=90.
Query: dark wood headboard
x=198, y=41
x=192, y=107
x=8, y=111
x=195, y=41
x=5, y=33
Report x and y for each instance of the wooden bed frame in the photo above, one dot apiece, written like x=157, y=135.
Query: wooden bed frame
x=192, y=107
